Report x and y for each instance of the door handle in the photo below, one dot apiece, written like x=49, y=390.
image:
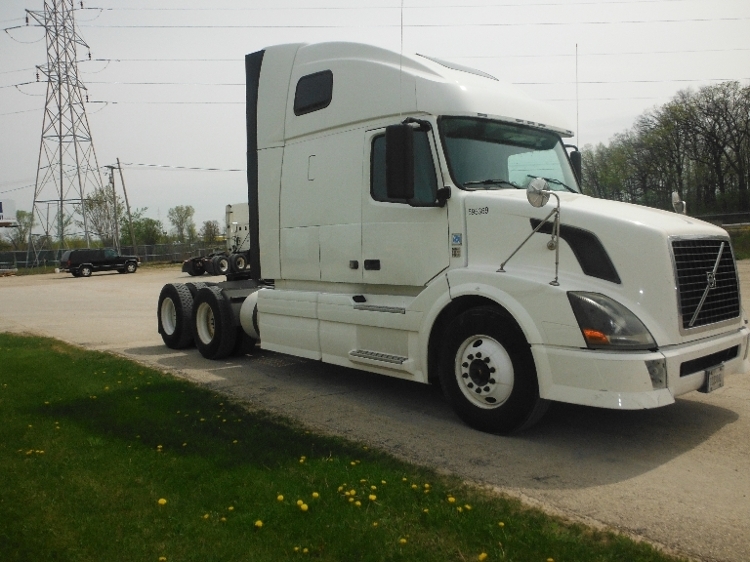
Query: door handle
x=372, y=265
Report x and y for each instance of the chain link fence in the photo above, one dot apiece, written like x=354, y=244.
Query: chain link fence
x=169, y=253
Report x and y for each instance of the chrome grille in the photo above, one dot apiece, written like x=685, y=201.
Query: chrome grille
x=695, y=260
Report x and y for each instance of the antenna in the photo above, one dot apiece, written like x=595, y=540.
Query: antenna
x=578, y=133
x=401, y=65
x=67, y=164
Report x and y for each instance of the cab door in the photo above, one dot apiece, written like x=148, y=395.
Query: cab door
x=404, y=243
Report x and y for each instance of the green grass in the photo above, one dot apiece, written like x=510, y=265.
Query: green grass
x=89, y=444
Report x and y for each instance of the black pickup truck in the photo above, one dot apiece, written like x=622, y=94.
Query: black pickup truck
x=82, y=263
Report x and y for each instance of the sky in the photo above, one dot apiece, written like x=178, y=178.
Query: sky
x=166, y=78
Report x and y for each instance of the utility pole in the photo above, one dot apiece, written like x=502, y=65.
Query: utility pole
x=67, y=167
x=127, y=206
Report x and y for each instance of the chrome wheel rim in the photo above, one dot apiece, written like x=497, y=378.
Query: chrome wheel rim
x=205, y=323
x=168, y=316
x=484, y=371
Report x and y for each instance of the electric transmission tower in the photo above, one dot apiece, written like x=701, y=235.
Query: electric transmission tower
x=67, y=167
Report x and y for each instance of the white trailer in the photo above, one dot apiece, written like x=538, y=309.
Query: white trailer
x=399, y=224
x=8, y=213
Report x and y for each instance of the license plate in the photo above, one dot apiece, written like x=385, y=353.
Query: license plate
x=714, y=379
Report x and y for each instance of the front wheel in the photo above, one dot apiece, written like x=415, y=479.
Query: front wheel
x=85, y=271
x=130, y=267
x=488, y=373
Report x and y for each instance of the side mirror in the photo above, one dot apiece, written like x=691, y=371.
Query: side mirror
x=575, y=161
x=678, y=205
x=537, y=192
x=399, y=161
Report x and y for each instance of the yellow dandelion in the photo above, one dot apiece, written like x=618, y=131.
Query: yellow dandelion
x=235, y=442
x=304, y=507
x=460, y=509
x=383, y=482
x=402, y=541
x=501, y=524
x=404, y=479
x=351, y=500
x=427, y=486
x=482, y=556
x=258, y=524
x=451, y=499
x=358, y=503
x=467, y=507
x=315, y=495
x=280, y=498
x=296, y=549
x=230, y=508
x=205, y=516
x=363, y=481
x=425, y=510
x=305, y=550
x=372, y=497
x=299, y=503
x=340, y=489
x=353, y=463
x=550, y=560
x=414, y=486
x=374, y=523
x=162, y=501
x=223, y=519
x=162, y=559
x=352, y=492
x=373, y=487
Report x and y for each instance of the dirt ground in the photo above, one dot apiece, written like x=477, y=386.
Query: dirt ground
x=677, y=476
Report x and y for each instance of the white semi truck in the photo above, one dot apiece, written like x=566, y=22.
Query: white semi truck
x=422, y=220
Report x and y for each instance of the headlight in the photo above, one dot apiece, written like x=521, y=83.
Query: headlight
x=606, y=324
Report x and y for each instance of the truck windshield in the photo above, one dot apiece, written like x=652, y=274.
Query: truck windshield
x=486, y=154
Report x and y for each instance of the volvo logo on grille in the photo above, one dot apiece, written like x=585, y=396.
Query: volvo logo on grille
x=711, y=279
x=710, y=284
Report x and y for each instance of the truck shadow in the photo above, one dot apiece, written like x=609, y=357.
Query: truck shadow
x=572, y=447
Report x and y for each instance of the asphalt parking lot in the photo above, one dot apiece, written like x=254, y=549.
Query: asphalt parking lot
x=678, y=476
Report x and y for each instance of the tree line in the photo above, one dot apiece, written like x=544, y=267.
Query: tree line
x=697, y=145
x=104, y=211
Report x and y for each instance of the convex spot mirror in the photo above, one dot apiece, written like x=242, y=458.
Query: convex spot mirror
x=537, y=192
x=399, y=161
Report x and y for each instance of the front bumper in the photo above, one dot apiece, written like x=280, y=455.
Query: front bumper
x=621, y=380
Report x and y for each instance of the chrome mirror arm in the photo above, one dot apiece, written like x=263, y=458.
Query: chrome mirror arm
x=554, y=243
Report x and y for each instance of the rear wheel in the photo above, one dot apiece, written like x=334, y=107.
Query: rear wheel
x=214, y=330
x=174, y=314
x=221, y=265
x=237, y=262
x=488, y=373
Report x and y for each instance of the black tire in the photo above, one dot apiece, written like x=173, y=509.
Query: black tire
x=208, y=265
x=195, y=287
x=198, y=267
x=131, y=267
x=221, y=265
x=74, y=273
x=174, y=314
x=488, y=373
x=214, y=329
x=85, y=271
x=237, y=263
x=121, y=271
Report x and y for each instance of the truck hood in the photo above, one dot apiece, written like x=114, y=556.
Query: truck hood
x=636, y=240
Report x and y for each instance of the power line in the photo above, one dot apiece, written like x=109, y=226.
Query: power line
x=182, y=168
x=417, y=25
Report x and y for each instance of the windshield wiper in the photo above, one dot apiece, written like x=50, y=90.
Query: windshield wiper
x=554, y=181
x=497, y=182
